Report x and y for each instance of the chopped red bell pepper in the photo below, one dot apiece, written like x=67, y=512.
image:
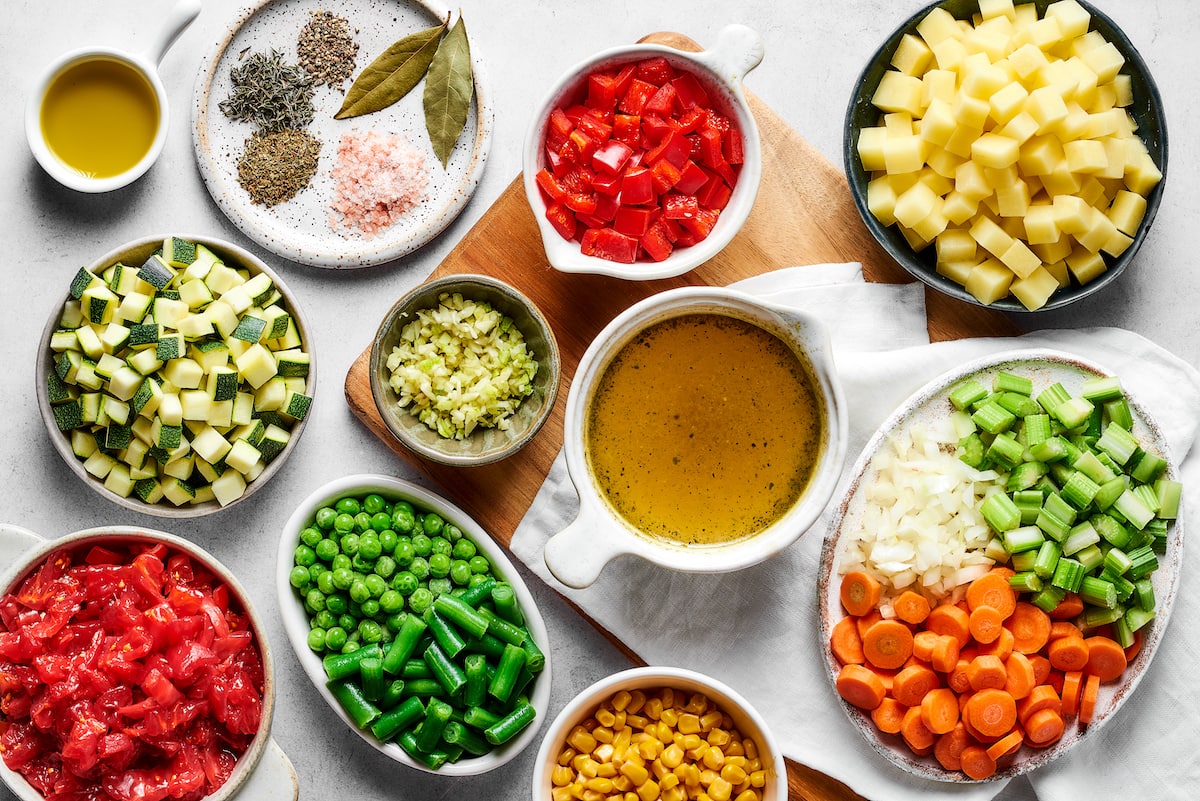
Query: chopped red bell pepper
x=689, y=91
x=637, y=187
x=692, y=177
x=601, y=91
x=664, y=175
x=662, y=102
x=656, y=70
x=606, y=243
x=562, y=219
x=633, y=220
x=634, y=100
x=680, y=207
x=611, y=156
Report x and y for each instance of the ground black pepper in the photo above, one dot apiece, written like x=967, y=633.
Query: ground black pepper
x=327, y=49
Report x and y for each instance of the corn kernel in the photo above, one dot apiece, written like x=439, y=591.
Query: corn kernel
x=581, y=740
x=674, y=794
x=669, y=716
x=713, y=758
x=567, y=755
x=561, y=776
x=637, y=700
x=623, y=783
x=733, y=774
x=576, y=789
x=697, y=754
x=630, y=796
x=653, y=708
x=758, y=778
x=590, y=795
x=721, y=737
x=621, y=700
x=659, y=769
x=648, y=791
x=599, y=784
x=748, y=795
x=720, y=790
x=636, y=721
x=560, y=794
x=710, y=720
x=635, y=773
x=606, y=770
x=672, y=756
x=606, y=717
x=667, y=696
x=688, y=773
x=697, y=704
x=668, y=781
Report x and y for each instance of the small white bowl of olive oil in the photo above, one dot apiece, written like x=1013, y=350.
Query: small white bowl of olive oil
x=97, y=116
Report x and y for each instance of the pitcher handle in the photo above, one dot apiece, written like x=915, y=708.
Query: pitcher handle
x=178, y=19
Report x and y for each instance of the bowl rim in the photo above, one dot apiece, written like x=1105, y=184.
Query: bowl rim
x=61, y=440
x=569, y=259
x=551, y=361
x=31, y=558
x=730, y=701
x=910, y=261
x=295, y=623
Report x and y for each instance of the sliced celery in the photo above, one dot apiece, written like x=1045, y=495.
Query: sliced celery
x=1011, y=382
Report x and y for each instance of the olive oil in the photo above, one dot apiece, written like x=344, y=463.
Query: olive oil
x=100, y=116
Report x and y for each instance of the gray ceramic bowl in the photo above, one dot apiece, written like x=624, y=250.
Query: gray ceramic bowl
x=1147, y=111
x=483, y=445
x=135, y=253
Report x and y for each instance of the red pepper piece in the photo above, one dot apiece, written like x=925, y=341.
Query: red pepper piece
x=611, y=157
x=606, y=207
x=623, y=79
x=655, y=129
x=637, y=187
x=689, y=91
x=607, y=183
x=675, y=148
x=550, y=185
x=634, y=100
x=680, y=207
x=691, y=119
x=627, y=128
x=656, y=70
x=735, y=151
x=580, y=202
x=656, y=242
x=692, y=178
x=715, y=194
x=633, y=220
x=663, y=101
x=664, y=175
x=701, y=224
x=605, y=243
x=601, y=92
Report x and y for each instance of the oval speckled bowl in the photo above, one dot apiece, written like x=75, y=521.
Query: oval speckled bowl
x=930, y=403
x=300, y=228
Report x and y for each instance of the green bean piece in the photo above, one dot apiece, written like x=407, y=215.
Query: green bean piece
x=507, y=727
x=429, y=733
x=514, y=635
x=461, y=614
x=535, y=660
x=425, y=688
x=507, y=671
x=405, y=644
x=445, y=670
x=486, y=645
x=416, y=669
x=350, y=696
x=396, y=719
x=507, y=607
x=371, y=671
x=477, y=717
x=475, y=667
x=340, y=666
x=408, y=741
x=393, y=694
x=443, y=633
x=456, y=733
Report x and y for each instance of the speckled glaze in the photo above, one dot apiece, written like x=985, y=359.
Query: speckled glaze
x=135, y=253
x=930, y=403
x=300, y=229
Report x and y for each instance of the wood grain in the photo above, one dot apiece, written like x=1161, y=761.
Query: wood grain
x=804, y=214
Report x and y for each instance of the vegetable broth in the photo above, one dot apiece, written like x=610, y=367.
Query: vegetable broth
x=100, y=117
x=704, y=429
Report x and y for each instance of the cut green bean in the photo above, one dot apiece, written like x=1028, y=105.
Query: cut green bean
x=478, y=717
x=396, y=719
x=535, y=660
x=444, y=634
x=425, y=688
x=393, y=694
x=507, y=671
x=511, y=724
x=371, y=671
x=339, y=666
x=487, y=645
x=502, y=629
x=405, y=644
x=445, y=670
x=475, y=668
x=505, y=600
x=458, y=734
x=478, y=593
x=350, y=696
x=433, y=761
x=462, y=614
x=416, y=668
x=429, y=733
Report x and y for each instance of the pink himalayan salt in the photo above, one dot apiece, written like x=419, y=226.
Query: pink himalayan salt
x=378, y=177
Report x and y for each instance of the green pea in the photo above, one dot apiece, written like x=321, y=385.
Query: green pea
x=369, y=546
x=343, y=524
x=439, y=565
x=440, y=545
x=370, y=607
x=419, y=567
x=464, y=549
x=362, y=565
x=359, y=591
x=440, y=586
x=351, y=645
x=315, y=570
x=335, y=638
x=362, y=522
x=340, y=561
x=314, y=599
x=347, y=622
x=348, y=506
x=304, y=555
x=370, y=631
x=343, y=577
x=422, y=544
x=405, y=583
x=326, y=550
x=420, y=600
x=432, y=522
x=391, y=601
x=324, y=619
x=404, y=552
x=336, y=603
x=381, y=521
x=460, y=572
x=316, y=639
x=477, y=578
x=395, y=621
x=299, y=577
x=403, y=507
x=325, y=583
x=374, y=504
x=385, y=566
x=375, y=584
x=324, y=518
x=452, y=532
x=311, y=535
x=479, y=564
x=350, y=544
x=388, y=540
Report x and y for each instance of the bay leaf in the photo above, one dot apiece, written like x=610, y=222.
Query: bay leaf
x=393, y=74
x=448, y=89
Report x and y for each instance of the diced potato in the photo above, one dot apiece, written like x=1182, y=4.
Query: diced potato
x=1047, y=107
x=1085, y=155
x=937, y=25
x=959, y=208
x=916, y=203
x=870, y=154
x=1141, y=173
x=940, y=84
x=1007, y=101
x=912, y=55
x=1021, y=127
x=994, y=150
x=1117, y=243
x=1012, y=200
x=990, y=9
x=1051, y=252
x=1127, y=210
x=881, y=200
x=956, y=271
x=949, y=53
x=938, y=124
x=990, y=236
x=989, y=281
x=956, y=244
x=899, y=92
x=903, y=153
x=1034, y=290
x=1040, y=225
x=1085, y=266
x=971, y=111
x=1073, y=19
x=1020, y=259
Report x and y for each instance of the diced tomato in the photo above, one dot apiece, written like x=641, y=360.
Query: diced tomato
x=637, y=187
x=636, y=96
x=605, y=243
x=656, y=70
x=611, y=156
x=689, y=91
x=633, y=220
x=661, y=102
x=562, y=219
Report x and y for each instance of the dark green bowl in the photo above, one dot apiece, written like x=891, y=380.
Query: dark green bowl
x=1146, y=110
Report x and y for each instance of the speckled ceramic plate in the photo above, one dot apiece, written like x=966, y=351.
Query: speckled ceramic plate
x=300, y=229
x=929, y=403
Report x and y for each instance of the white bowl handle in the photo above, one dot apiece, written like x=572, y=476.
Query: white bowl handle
x=273, y=778
x=738, y=50
x=179, y=18
x=15, y=541
x=577, y=554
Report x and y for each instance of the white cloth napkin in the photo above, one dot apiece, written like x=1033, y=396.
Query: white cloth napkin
x=756, y=629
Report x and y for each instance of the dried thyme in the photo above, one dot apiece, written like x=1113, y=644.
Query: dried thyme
x=270, y=93
x=326, y=49
x=277, y=164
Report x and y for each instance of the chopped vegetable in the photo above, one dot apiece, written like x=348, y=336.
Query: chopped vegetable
x=461, y=365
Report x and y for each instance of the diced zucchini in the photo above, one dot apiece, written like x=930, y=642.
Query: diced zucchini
x=195, y=326
x=145, y=361
x=114, y=337
x=224, y=318
x=222, y=383
x=180, y=468
x=243, y=409
x=57, y=390
x=157, y=273
x=250, y=328
x=166, y=436
x=204, y=261
x=252, y=432
x=67, y=364
x=64, y=339
x=210, y=444
x=171, y=409
x=169, y=311
x=196, y=404
x=89, y=341
x=99, y=464
x=68, y=415
x=229, y=487
x=184, y=373
x=108, y=364
x=124, y=382
x=177, y=492
x=134, y=306
x=142, y=335
x=204, y=494
x=117, y=437
x=83, y=443
x=277, y=322
x=242, y=456
x=118, y=481
x=259, y=288
x=291, y=339
x=271, y=395
x=221, y=279
x=274, y=440
x=170, y=346
x=220, y=414
x=83, y=281
x=209, y=472
x=256, y=365
x=149, y=490
x=293, y=363
x=178, y=252
x=296, y=405
x=99, y=304
x=238, y=298
x=113, y=410
x=134, y=454
x=195, y=293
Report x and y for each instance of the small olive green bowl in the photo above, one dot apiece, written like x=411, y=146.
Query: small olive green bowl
x=1147, y=112
x=483, y=445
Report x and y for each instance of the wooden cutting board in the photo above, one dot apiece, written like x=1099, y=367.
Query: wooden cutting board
x=803, y=215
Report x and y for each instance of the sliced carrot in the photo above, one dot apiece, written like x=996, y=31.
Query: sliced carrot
x=923, y=643
x=1030, y=628
x=1063, y=628
x=992, y=712
x=1068, y=653
x=1088, y=698
x=939, y=710
x=1134, y=649
x=859, y=592
x=1040, y=697
x=951, y=621
x=945, y=653
x=1041, y=668
x=1008, y=744
x=1002, y=646
x=1019, y=677
x=1106, y=658
x=959, y=679
x=846, y=643
x=1055, y=679
x=1044, y=726
x=887, y=643
x=985, y=624
x=912, y=683
x=859, y=686
x=916, y=734
x=977, y=763
x=992, y=589
x=863, y=622
x=949, y=747
x=911, y=607
x=1072, y=689
x=986, y=671
x=889, y=715
x=1070, y=606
